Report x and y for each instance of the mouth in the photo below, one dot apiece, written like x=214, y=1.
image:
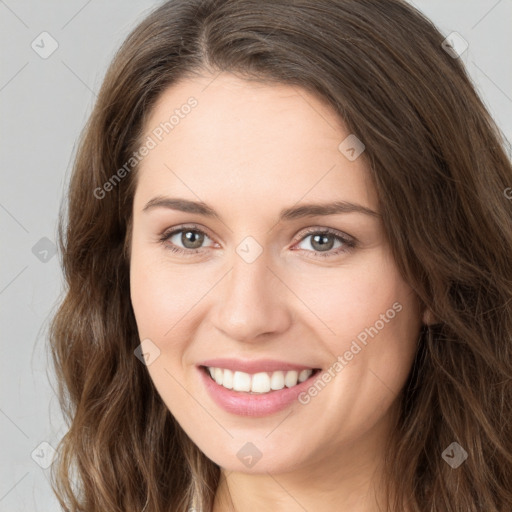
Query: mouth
x=251, y=395
x=260, y=383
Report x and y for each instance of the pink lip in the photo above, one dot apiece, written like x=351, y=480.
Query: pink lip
x=262, y=365
x=254, y=405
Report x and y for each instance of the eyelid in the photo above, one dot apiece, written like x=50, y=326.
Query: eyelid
x=349, y=241
x=322, y=229
x=168, y=233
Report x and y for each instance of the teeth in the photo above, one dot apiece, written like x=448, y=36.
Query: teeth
x=304, y=374
x=241, y=381
x=262, y=382
x=277, y=381
x=227, y=379
x=290, y=379
x=219, y=374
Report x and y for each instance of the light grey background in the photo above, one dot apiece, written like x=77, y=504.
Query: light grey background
x=44, y=104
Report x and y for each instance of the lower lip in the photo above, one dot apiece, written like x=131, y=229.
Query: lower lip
x=245, y=404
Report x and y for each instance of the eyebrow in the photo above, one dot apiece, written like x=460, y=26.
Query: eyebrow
x=286, y=214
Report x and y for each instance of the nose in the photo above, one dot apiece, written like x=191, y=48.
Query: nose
x=252, y=301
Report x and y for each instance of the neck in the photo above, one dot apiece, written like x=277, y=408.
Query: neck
x=344, y=477
x=287, y=493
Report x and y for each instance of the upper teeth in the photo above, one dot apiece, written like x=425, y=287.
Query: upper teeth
x=261, y=382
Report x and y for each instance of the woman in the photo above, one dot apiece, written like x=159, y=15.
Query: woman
x=287, y=250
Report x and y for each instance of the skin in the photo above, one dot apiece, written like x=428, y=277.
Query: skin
x=248, y=150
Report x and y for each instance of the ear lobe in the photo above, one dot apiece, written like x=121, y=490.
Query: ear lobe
x=428, y=317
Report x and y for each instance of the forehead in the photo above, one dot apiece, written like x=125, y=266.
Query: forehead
x=252, y=143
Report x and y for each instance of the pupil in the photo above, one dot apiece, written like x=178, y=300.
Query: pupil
x=324, y=245
x=188, y=236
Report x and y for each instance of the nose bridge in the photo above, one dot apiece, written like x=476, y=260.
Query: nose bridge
x=252, y=302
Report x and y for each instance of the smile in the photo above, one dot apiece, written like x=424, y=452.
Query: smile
x=262, y=382
x=246, y=402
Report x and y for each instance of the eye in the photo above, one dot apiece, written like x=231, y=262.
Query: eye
x=323, y=240
x=190, y=237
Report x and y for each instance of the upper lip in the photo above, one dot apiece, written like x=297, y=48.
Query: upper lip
x=253, y=366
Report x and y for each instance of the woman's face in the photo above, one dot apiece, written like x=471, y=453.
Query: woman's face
x=250, y=284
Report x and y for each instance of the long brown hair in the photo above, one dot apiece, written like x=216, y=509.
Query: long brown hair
x=439, y=166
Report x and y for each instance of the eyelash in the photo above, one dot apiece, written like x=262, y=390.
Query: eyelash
x=349, y=244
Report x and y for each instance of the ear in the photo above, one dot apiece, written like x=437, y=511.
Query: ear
x=428, y=317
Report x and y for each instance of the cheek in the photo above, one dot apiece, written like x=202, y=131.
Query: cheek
x=356, y=296
x=161, y=293
x=371, y=318
x=163, y=299
x=166, y=300
x=377, y=323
